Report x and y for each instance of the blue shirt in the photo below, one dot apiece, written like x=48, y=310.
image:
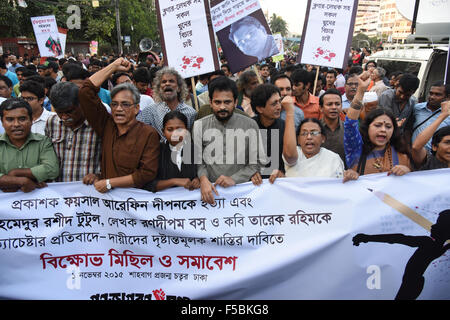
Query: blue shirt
x=421, y=112
x=13, y=68
x=298, y=117
x=13, y=77
x=47, y=104
x=345, y=102
x=353, y=142
x=105, y=96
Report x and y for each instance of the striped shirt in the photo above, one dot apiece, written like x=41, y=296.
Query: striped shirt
x=154, y=114
x=78, y=151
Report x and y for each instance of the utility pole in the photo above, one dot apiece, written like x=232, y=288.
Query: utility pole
x=119, y=35
x=416, y=10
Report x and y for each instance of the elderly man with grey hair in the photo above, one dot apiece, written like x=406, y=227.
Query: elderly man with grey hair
x=76, y=144
x=170, y=90
x=377, y=76
x=130, y=148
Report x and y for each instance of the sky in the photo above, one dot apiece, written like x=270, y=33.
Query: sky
x=292, y=11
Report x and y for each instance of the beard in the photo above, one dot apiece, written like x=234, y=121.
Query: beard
x=168, y=95
x=223, y=115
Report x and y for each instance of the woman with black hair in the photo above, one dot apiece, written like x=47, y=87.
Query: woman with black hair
x=176, y=166
x=377, y=146
x=309, y=158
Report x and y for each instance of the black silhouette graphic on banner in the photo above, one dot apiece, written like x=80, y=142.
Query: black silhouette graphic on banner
x=428, y=249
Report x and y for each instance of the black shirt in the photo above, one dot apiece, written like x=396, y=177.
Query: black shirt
x=167, y=169
x=278, y=124
x=433, y=163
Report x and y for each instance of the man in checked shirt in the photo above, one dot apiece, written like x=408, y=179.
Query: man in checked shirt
x=76, y=144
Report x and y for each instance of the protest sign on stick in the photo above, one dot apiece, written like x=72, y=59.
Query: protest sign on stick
x=63, y=38
x=93, y=47
x=447, y=74
x=327, y=33
x=316, y=78
x=47, y=36
x=243, y=32
x=279, y=42
x=194, y=93
x=187, y=37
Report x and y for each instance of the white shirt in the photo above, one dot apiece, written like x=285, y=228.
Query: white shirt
x=340, y=81
x=39, y=124
x=1, y=127
x=324, y=164
x=145, y=101
x=177, y=149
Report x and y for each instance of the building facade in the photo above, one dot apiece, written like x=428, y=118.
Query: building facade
x=381, y=19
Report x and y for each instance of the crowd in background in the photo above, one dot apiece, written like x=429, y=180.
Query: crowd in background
x=119, y=122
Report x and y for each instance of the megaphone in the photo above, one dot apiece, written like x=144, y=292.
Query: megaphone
x=146, y=44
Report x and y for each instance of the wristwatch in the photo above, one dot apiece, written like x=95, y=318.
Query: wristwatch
x=108, y=185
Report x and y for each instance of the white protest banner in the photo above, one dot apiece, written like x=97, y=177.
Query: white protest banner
x=47, y=36
x=243, y=32
x=295, y=239
x=63, y=38
x=327, y=32
x=187, y=36
x=279, y=42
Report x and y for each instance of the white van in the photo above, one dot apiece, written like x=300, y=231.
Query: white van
x=426, y=61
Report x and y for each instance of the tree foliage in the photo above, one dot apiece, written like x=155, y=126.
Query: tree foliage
x=362, y=40
x=278, y=25
x=137, y=19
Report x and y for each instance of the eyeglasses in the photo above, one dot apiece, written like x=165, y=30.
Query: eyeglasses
x=28, y=99
x=312, y=133
x=122, y=104
x=66, y=112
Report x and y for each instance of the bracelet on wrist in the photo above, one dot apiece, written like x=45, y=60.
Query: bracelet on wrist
x=357, y=105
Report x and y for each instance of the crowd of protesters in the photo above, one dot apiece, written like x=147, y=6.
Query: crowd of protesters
x=116, y=122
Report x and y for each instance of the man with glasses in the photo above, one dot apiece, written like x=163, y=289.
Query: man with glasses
x=130, y=148
x=33, y=92
x=351, y=85
x=76, y=144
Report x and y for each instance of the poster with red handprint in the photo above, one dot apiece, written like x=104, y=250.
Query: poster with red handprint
x=325, y=54
x=187, y=36
x=327, y=33
x=194, y=62
x=159, y=294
